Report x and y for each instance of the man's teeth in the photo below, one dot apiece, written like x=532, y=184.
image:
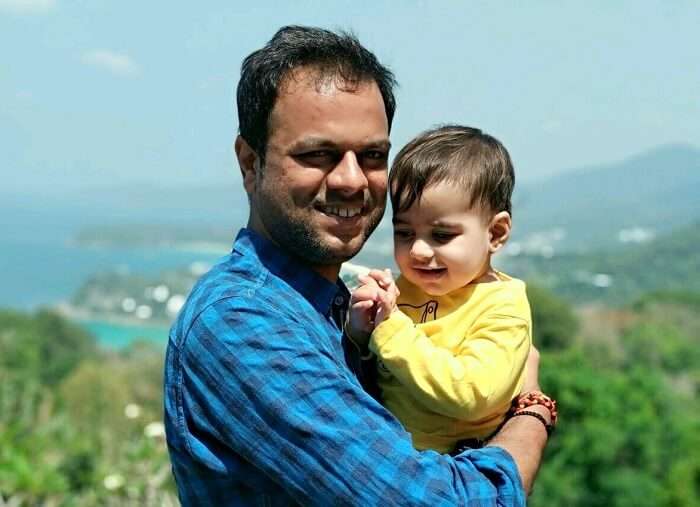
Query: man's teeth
x=342, y=212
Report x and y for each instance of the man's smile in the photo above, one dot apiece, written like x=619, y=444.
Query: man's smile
x=341, y=211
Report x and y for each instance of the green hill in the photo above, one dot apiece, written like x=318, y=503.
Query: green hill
x=670, y=262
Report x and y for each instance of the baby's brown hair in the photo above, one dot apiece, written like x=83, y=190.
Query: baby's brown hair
x=453, y=153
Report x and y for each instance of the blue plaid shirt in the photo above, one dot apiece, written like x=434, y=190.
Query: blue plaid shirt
x=262, y=407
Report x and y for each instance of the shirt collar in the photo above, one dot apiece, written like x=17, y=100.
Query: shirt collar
x=316, y=289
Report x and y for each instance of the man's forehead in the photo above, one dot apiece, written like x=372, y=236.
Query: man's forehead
x=323, y=81
x=310, y=105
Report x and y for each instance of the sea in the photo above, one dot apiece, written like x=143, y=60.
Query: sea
x=41, y=266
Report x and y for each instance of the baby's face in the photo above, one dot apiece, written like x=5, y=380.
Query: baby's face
x=440, y=244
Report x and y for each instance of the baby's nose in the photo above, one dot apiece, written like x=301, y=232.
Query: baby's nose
x=420, y=250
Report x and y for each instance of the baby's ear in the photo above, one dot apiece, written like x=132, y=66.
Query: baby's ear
x=499, y=231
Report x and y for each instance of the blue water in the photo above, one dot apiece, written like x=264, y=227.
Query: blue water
x=35, y=273
x=41, y=266
x=118, y=336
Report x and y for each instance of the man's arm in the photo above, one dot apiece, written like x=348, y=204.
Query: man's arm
x=525, y=437
x=260, y=387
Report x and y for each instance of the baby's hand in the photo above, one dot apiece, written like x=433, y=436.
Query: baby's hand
x=360, y=321
x=375, y=297
x=386, y=298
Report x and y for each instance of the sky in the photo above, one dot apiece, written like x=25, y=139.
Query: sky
x=97, y=93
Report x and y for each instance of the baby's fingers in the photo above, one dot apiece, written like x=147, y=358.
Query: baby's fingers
x=393, y=291
x=364, y=293
x=382, y=277
x=367, y=280
x=363, y=305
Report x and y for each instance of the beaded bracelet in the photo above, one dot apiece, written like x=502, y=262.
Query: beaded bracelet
x=536, y=398
x=540, y=417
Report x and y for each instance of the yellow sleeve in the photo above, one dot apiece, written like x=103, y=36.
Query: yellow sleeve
x=484, y=376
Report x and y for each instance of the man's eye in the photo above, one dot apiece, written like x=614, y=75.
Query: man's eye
x=375, y=154
x=317, y=156
x=374, y=159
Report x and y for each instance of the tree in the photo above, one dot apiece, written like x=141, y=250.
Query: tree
x=553, y=321
x=619, y=435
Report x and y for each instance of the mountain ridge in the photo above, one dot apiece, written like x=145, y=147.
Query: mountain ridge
x=655, y=189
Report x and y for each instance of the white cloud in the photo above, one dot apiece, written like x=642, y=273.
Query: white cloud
x=116, y=63
x=27, y=6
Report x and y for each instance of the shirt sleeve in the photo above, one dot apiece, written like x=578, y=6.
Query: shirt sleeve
x=471, y=384
x=262, y=387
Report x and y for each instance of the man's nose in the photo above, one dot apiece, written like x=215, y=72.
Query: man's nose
x=421, y=251
x=347, y=177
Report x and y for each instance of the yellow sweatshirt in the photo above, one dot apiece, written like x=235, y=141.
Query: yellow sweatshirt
x=450, y=365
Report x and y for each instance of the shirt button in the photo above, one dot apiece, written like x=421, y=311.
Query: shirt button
x=339, y=300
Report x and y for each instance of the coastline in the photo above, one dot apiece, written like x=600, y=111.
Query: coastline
x=71, y=312
x=115, y=331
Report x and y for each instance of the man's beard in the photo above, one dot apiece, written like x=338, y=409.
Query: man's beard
x=298, y=237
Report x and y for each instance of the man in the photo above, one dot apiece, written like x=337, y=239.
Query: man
x=263, y=399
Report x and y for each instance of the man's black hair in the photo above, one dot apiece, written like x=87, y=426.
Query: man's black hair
x=331, y=55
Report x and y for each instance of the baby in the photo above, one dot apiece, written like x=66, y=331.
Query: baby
x=452, y=334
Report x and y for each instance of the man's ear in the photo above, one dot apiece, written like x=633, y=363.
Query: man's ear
x=249, y=162
x=499, y=231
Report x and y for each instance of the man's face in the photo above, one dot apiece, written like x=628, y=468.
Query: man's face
x=322, y=189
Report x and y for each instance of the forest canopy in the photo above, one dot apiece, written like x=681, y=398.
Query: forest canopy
x=81, y=425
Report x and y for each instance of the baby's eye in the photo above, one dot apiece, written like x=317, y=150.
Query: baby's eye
x=443, y=237
x=402, y=234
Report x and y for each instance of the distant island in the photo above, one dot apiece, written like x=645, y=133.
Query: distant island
x=200, y=238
